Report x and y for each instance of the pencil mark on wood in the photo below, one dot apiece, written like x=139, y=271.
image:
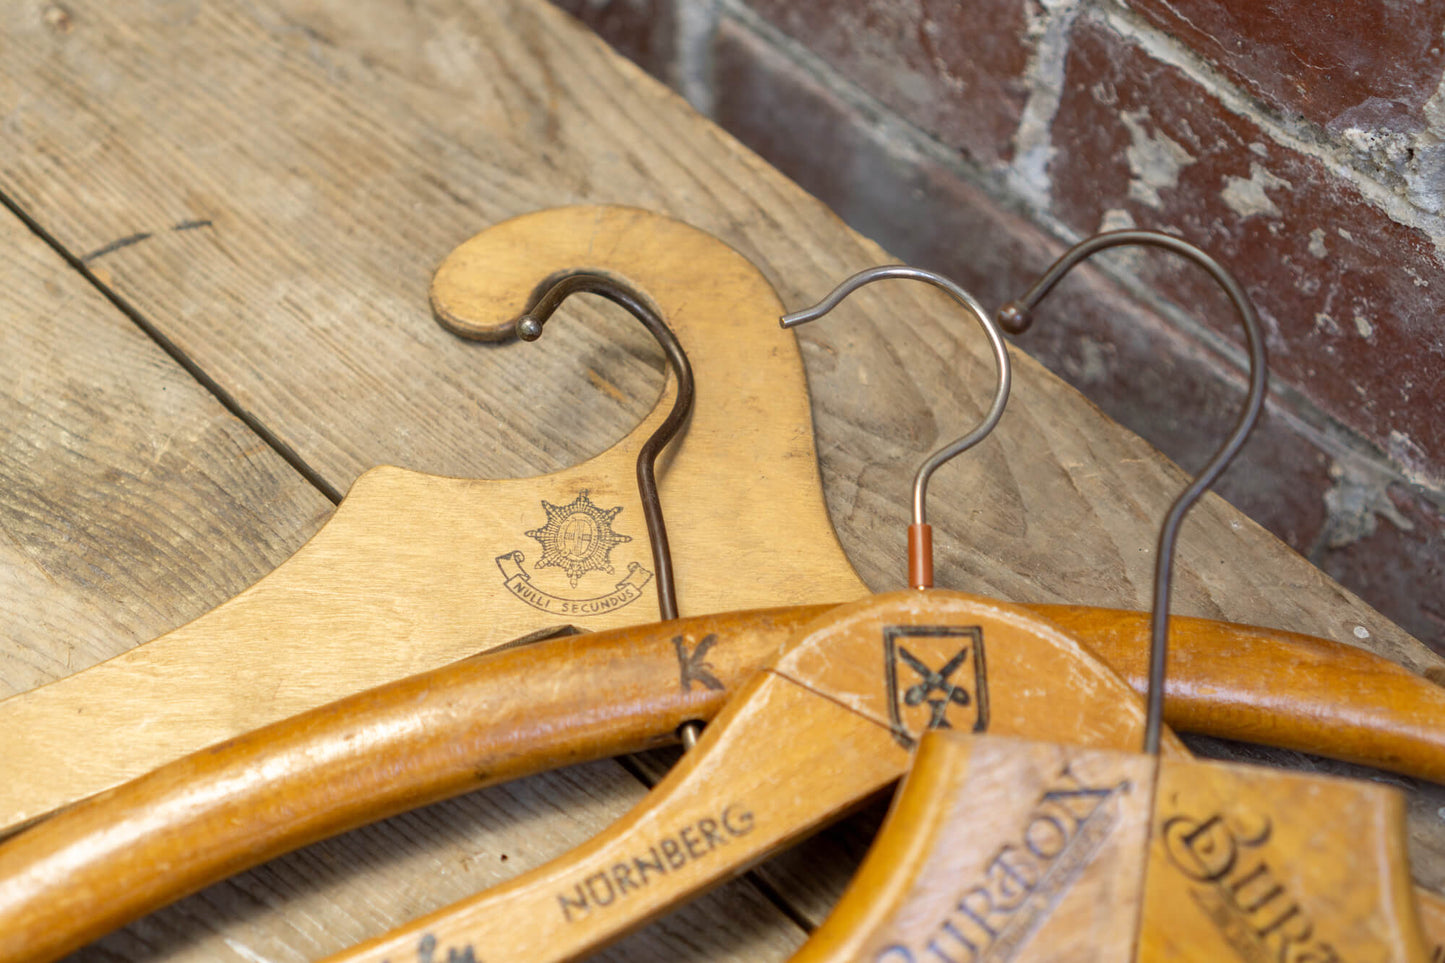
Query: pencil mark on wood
x=426, y=951
x=136, y=238
x=116, y=245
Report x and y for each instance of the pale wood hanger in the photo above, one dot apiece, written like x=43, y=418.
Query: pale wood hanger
x=405, y=577
x=165, y=813
x=414, y=571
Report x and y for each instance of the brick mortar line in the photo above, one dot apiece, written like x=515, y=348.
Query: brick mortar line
x=696, y=25
x=1033, y=139
x=882, y=119
x=1337, y=440
x=1303, y=138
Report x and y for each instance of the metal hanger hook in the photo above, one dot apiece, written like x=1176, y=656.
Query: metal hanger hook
x=919, y=536
x=529, y=328
x=1016, y=316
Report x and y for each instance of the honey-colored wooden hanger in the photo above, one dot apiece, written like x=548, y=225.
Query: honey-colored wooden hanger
x=1036, y=852
x=142, y=845
x=174, y=810
x=1120, y=858
x=830, y=723
x=415, y=571
x=775, y=796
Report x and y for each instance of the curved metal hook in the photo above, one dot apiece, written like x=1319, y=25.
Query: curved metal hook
x=529, y=328
x=921, y=568
x=1016, y=316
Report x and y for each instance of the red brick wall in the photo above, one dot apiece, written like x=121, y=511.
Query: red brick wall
x=1302, y=144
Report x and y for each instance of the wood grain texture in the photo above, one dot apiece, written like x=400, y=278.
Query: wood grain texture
x=1242, y=685
x=415, y=571
x=1250, y=863
x=120, y=480
x=280, y=219
x=840, y=712
x=1432, y=922
x=546, y=704
x=1000, y=848
x=489, y=719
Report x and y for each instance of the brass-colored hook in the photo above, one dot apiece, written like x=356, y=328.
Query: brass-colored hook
x=1017, y=315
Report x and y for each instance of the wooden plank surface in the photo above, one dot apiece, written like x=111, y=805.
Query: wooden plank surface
x=132, y=502
x=271, y=185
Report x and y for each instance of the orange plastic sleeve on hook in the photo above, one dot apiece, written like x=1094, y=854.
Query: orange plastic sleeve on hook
x=920, y=556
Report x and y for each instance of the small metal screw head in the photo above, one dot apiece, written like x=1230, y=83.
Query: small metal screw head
x=529, y=328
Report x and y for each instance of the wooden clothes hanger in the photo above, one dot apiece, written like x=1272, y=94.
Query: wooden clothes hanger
x=126, y=852
x=775, y=797
x=1118, y=857
x=173, y=811
x=414, y=571
x=829, y=724
x=1028, y=851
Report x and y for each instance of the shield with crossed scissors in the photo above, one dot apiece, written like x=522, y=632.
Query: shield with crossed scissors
x=954, y=695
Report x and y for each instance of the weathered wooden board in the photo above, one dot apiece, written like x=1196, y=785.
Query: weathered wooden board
x=130, y=500
x=271, y=185
x=340, y=151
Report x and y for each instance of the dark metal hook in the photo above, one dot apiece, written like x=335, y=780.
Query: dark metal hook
x=1016, y=316
x=529, y=328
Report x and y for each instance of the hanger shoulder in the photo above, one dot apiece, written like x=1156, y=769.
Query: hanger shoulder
x=839, y=714
x=414, y=571
x=1277, y=688
x=128, y=851
x=1247, y=862
x=402, y=578
x=998, y=848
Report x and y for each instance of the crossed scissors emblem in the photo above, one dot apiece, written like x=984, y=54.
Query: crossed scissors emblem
x=931, y=682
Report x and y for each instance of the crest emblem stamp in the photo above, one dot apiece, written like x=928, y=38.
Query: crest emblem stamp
x=578, y=539
x=936, y=679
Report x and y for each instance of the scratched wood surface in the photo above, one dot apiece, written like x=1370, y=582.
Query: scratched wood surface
x=269, y=186
x=113, y=456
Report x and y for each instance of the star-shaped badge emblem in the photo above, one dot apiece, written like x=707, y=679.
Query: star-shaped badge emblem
x=578, y=537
